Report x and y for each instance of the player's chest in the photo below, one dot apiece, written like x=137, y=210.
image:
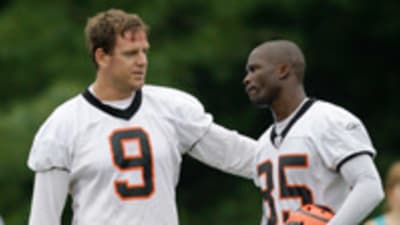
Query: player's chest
x=293, y=159
x=111, y=143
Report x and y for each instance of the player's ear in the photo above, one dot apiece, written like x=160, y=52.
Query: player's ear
x=102, y=58
x=283, y=70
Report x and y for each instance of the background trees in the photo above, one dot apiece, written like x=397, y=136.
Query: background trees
x=200, y=46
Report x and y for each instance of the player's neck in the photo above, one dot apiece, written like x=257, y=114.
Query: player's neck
x=106, y=92
x=287, y=104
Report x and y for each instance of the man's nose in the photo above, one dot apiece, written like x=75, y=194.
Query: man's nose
x=142, y=59
x=246, y=79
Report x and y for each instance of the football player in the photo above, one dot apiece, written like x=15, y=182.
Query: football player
x=315, y=152
x=117, y=147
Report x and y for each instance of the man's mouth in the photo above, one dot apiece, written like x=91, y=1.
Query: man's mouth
x=250, y=89
x=138, y=73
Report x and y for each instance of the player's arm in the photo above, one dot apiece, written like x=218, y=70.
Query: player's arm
x=49, y=195
x=226, y=150
x=345, y=146
x=49, y=158
x=361, y=174
x=210, y=143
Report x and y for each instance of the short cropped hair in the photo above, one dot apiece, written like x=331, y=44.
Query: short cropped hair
x=102, y=29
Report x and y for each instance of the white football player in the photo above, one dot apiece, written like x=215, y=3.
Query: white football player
x=117, y=147
x=315, y=152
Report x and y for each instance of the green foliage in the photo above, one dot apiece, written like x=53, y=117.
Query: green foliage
x=17, y=128
x=36, y=47
x=200, y=46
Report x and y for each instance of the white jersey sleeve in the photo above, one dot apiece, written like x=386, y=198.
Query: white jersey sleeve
x=191, y=121
x=208, y=142
x=49, y=196
x=183, y=111
x=228, y=151
x=361, y=174
x=50, y=146
x=343, y=136
x=215, y=145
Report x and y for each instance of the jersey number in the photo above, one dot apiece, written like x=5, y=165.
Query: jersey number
x=286, y=190
x=141, y=160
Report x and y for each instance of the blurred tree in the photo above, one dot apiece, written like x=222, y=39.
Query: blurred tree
x=17, y=128
x=200, y=46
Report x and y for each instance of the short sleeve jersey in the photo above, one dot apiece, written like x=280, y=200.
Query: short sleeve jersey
x=124, y=165
x=304, y=167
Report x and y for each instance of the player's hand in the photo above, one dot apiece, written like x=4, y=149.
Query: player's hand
x=310, y=215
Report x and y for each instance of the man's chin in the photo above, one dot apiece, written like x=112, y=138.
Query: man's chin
x=259, y=103
x=138, y=85
x=261, y=106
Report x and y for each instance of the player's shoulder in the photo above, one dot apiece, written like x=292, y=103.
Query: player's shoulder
x=67, y=110
x=62, y=120
x=330, y=113
x=168, y=95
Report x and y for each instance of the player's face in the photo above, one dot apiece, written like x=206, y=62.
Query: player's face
x=128, y=61
x=261, y=80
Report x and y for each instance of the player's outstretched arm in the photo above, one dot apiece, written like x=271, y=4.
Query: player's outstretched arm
x=227, y=150
x=361, y=174
x=49, y=196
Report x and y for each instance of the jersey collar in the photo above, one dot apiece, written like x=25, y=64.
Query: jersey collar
x=277, y=140
x=123, y=114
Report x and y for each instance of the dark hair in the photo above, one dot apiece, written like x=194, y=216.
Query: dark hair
x=102, y=29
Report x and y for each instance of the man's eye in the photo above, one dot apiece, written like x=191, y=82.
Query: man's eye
x=251, y=69
x=130, y=53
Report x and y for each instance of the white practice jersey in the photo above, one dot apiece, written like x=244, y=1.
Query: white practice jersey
x=303, y=166
x=124, y=165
